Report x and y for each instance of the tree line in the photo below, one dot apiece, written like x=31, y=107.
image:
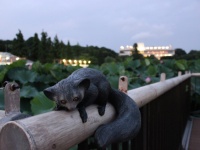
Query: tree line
x=181, y=54
x=46, y=50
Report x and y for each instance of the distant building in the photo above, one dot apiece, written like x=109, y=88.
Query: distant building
x=7, y=58
x=157, y=51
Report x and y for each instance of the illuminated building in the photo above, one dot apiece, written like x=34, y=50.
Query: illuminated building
x=7, y=58
x=157, y=51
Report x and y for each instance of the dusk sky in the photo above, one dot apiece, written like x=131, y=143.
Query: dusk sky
x=105, y=23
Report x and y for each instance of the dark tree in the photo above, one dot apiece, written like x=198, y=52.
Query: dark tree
x=5, y=46
x=69, y=54
x=179, y=52
x=43, y=54
x=2, y=46
x=76, y=51
x=194, y=52
x=135, y=48
x=62, y=50
x=19, y=47
x=33, y=45
x=49, y=55
x=56, y=49
x=136, y=54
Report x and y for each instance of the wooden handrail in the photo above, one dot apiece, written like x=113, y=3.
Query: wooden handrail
x=52, y=130
x=195, y=74
x=152, y=91
x=62, y=130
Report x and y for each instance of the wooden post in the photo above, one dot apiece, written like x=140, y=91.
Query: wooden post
x=123, y=87
x=12, y=98
x=57, y=130
x=162, y=77
x=123, y=84
x=12, y=104
x=179, y=73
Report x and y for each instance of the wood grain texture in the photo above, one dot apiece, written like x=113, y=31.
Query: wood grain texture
x=2, y=114
x=57, y=130
x=194, y=143
x=145, y=94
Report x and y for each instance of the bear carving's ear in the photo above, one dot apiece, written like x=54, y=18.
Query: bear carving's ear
x=85, y=83
x=49, y=93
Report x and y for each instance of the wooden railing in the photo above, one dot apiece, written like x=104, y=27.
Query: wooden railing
x=164, y=108
x=164, y=119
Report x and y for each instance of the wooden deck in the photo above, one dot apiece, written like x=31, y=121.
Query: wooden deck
x=194, y=141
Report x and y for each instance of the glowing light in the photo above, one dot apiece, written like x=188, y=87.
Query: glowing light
x=122, y=47
x=17, y=58
x=70, y=61
x=64, y=60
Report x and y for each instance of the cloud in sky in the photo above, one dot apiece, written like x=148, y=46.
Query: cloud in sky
x=105, y=23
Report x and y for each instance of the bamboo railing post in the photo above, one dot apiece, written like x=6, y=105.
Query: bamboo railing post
x=162, y=77
x=12, y=103
x=123, y=87
x=123, y=84
x=179, y=73
x=12, y=98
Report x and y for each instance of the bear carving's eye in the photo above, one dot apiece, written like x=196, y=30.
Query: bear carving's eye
x=76, y=99
x=63, y=102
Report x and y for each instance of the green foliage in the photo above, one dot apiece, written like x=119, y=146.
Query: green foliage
x=152, y=71
x=40, y=104
x=181, y=65
x=1, y=100
x=3, y=71
x=21, y=75
x=140, y=72
x=28, y=92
